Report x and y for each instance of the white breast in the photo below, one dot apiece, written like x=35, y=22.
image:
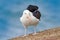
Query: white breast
x=25, y=21
x=34, y=21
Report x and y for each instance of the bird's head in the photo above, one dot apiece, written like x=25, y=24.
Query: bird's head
x=26, y=12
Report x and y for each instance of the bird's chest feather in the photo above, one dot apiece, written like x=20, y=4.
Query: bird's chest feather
x=25, y=20
x=29, y=21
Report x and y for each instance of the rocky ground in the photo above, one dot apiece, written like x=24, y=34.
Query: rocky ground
x=51, y=34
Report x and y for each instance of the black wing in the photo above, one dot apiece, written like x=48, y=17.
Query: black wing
x=37, y=14
x=32, y=8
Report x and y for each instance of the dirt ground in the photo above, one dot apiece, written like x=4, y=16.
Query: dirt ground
x=51, y=34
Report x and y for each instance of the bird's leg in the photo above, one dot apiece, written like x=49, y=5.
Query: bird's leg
x=25, y=31
x=34, y=31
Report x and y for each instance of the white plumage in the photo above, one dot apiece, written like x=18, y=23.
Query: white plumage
x=27, y=19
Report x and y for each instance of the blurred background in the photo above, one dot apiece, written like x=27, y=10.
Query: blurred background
x=11, y=11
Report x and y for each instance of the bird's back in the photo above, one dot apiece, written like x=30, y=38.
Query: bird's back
x=32, y=8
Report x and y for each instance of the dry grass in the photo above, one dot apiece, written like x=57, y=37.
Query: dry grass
x=51, y=34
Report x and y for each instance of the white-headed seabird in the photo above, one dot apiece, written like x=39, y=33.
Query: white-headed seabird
x=31, y=17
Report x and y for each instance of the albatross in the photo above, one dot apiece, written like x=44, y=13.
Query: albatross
x=30, y=17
